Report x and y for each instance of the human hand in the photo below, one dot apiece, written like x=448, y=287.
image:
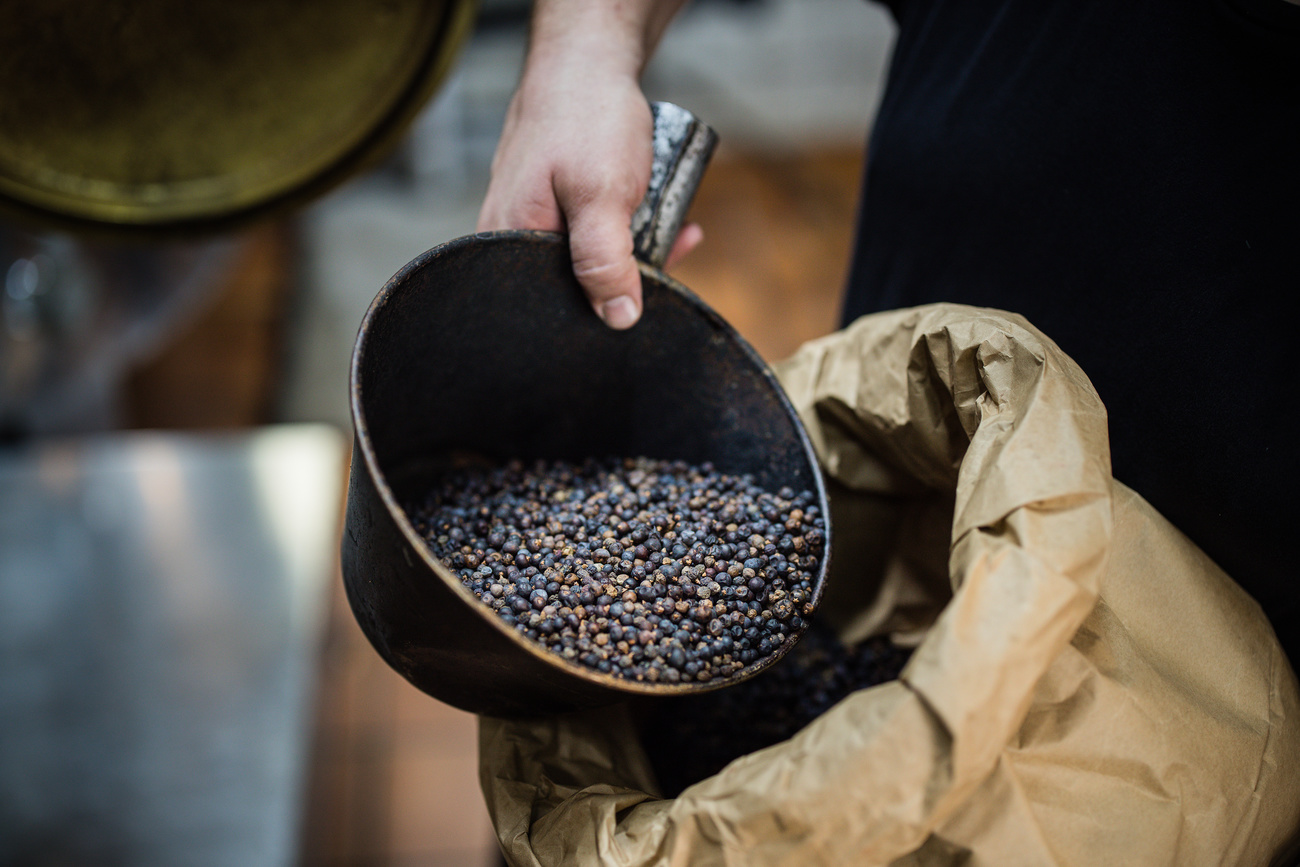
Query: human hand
x=575, y=156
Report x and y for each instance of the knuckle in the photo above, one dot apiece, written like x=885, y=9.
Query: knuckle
x=601, y=273
x=601, y=184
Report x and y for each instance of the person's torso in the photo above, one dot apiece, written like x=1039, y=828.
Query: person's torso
x=1125, y=174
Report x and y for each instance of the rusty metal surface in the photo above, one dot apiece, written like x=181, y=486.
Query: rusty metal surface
x=682, y=146
x=486, y=345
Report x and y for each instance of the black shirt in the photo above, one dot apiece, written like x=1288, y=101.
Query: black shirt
x=1126, y=175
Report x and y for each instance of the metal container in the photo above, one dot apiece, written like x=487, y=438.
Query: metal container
x=197, y=116
x=487, y=346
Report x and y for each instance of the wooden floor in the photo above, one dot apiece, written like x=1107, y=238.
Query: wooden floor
x=777, y=232
x=393, y=771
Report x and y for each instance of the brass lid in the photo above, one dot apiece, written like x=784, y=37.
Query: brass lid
x=199, y=113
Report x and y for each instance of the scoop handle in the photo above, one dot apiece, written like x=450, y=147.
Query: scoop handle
x=683, y=145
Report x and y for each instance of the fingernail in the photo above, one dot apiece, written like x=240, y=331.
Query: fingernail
x=619, y=312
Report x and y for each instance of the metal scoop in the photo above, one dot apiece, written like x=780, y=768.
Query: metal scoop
x=487, y=345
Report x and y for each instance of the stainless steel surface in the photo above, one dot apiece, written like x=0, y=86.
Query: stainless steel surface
x=161, y=607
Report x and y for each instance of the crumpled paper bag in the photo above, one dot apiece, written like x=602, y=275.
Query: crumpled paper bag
x=1089, y=688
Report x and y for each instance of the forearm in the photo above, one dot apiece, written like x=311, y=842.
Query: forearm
x=607, y=36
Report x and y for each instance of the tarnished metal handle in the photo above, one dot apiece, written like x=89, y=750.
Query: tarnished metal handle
x=683, y=145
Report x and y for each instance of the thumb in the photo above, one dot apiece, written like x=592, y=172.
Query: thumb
x=600, y=242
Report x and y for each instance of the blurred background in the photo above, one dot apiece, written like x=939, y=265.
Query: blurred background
x=181, y=681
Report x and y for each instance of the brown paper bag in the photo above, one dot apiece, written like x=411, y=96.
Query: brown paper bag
x=1089, y=688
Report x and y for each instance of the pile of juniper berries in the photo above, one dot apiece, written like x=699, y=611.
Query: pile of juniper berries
x=691, y=738
x=649, y=570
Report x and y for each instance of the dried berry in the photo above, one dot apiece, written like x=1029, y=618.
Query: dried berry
x=612, y=563
x=691, y=738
